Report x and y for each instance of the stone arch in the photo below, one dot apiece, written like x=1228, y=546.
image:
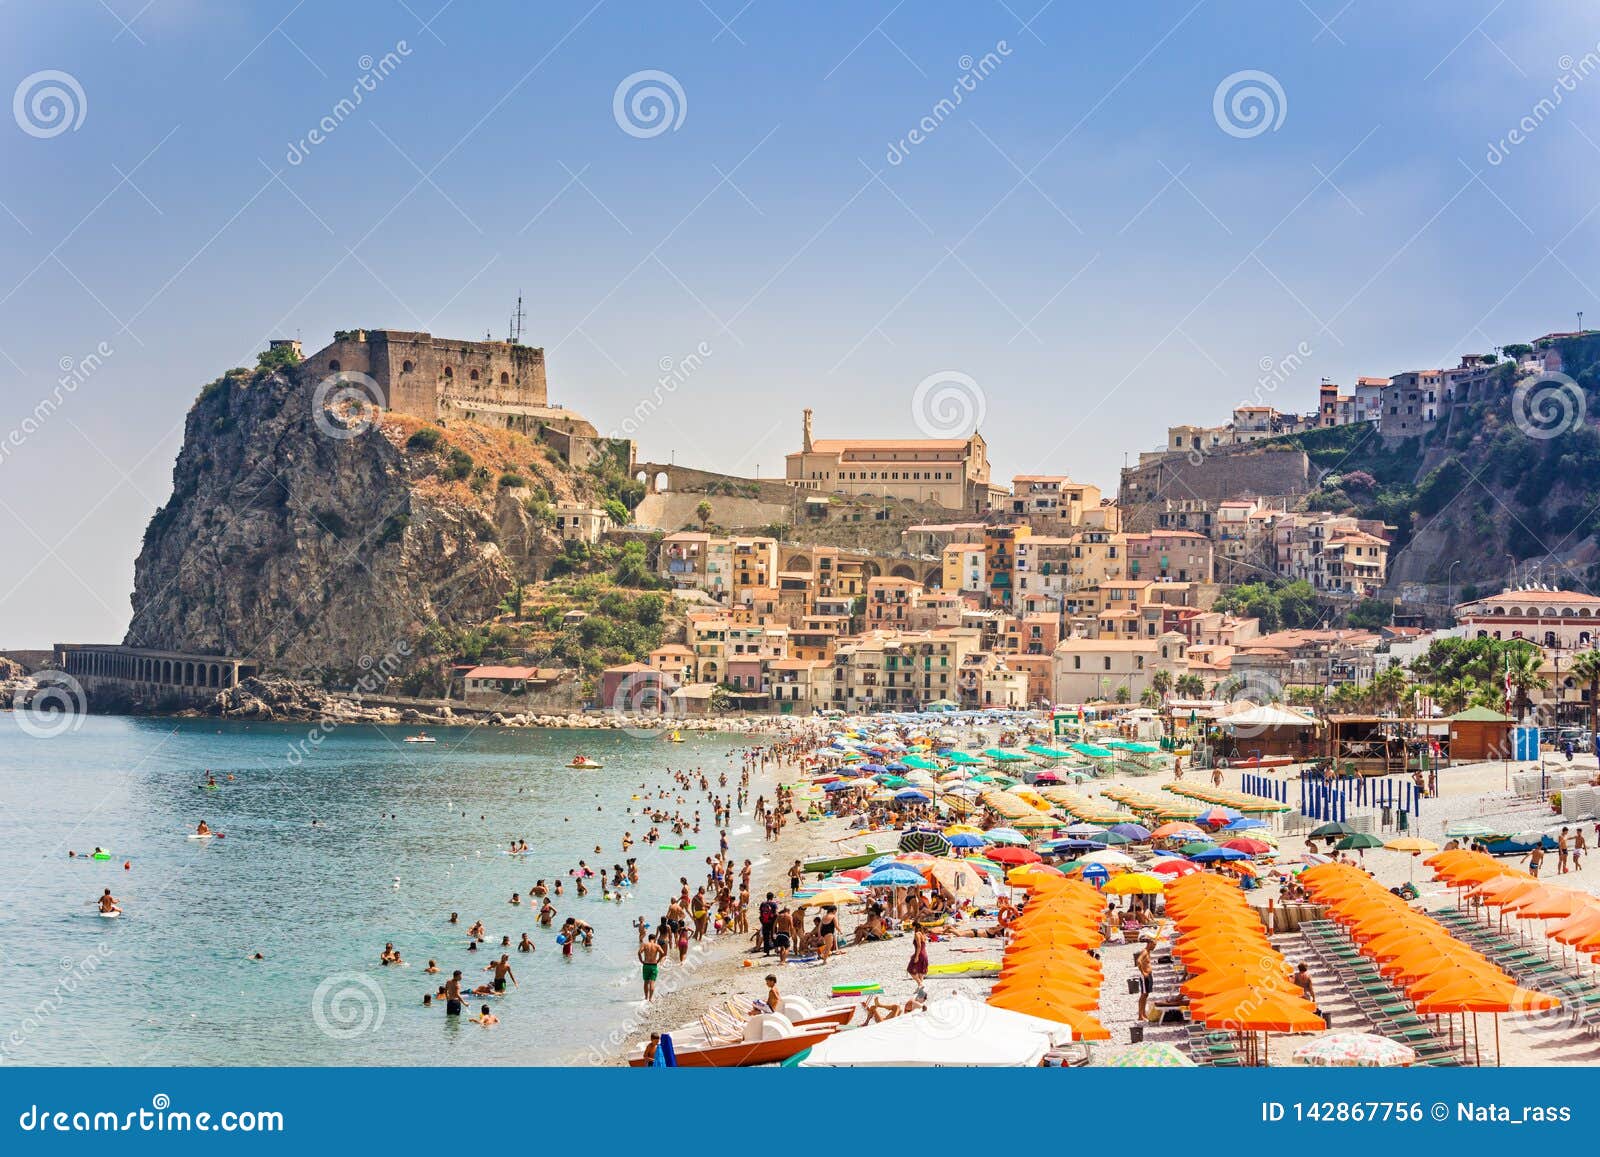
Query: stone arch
x=505, y=379
x=405, y=366
x=661, y=483
x=472, y=376
x=449, y=373
x=902, y=570
x=333, y=364
x=871, y=570
x=799, y=563
x=643, y=478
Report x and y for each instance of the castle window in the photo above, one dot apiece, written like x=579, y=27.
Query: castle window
x=505, y=379
x=334, y=365
x=449, y=373
x=473, y=375
x=405, y=367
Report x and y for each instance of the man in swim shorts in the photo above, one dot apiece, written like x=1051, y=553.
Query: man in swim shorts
x=651, y=953
x=452, y=994
x=502, y=972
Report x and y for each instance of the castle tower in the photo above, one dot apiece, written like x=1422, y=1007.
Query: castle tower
x=805, y=431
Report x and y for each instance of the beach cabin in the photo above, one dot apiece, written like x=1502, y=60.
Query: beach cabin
x=1479, y=734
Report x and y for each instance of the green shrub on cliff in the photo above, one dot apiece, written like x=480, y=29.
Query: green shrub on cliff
x=427, y=438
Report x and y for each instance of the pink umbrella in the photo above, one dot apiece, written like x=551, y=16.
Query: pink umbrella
x=1248, y=847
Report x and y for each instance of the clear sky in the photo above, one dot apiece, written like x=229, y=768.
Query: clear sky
x=1092, y=234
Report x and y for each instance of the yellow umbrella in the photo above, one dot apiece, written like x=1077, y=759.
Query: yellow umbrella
x=1134, y=884
x=1411, y=844
x=963, y=830
x=831, y=896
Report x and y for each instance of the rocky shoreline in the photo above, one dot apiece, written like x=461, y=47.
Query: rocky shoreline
x=275, y=699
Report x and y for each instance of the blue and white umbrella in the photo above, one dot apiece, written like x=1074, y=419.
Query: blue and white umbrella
x=894, y=876
x=912, y=795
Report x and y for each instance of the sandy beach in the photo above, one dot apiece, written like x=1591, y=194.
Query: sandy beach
x=725, y=968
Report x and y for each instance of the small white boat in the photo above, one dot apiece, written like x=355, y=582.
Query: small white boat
x=421, y=737
x=584, y=763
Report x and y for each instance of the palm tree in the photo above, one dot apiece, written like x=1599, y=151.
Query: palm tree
x=1150, y=697
x=1524, y=670
x=703, y=512
x=1190, y=686
x=1389, y=686
x=1587, y=667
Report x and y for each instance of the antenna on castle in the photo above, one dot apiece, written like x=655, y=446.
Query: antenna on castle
x=517, y=317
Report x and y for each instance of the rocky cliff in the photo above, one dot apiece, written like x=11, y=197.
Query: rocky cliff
x=318, y=535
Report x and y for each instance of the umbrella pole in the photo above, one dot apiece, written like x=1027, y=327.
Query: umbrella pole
x=1498, y=1061
x=1477, y=1040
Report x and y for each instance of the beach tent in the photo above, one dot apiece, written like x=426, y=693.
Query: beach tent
x=924, y=1039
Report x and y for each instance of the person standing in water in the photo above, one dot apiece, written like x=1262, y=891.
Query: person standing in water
x=651, y=953
x=502, y=972
x=452, y=994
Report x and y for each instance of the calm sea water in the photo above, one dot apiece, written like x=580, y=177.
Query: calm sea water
x=172, y=981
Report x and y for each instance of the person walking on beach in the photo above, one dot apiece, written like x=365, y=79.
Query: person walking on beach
x=917, y=968
x=651, y=954
x=1578, y=848
x=1561, y=853
x=1147, y=980
x=768, y=915
x=1535, y=860
x=794, y=877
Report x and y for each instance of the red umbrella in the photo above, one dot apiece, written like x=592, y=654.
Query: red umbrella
x=1014, y=856
x=1174, y=868
x=1214, y=817
x=857, y=873
x=1248, y=847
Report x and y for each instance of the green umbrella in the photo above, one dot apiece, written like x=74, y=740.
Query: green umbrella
x=1109, y=838
x=1152, y=1055
x=1359, y=840
x=1335, y=829
x=1197, y=846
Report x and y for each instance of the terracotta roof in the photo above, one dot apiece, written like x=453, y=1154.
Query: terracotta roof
x=503, y=673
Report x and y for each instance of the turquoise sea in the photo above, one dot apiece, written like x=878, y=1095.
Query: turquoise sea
x=172, y=982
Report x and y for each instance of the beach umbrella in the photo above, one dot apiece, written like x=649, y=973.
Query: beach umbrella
x=965, y=840
x=1355, y=1050
x=1211, y=855
x=919, y=777
x=963, y=830
x=1059, y=846
x=912, y=795
x=1327, y=831
x=958, y=877
x=1411, y=844
x=1038, y=823
x=1243, y=823
x=1110, y=857
x=1135, y=833
x=1006, y=836
x=1195, y=847
x=1134, y=884
x=1177, y=830
x=894, y=876
x=1152, y=1055
x=839, y=785
x=1110, y=838
x=1358, y=840
x=831, y=897
x=1084, y=830
x=1248, y=847
x=1173, y=868
x=930, y=843
x=1013, y=856
x=1217, y=816
x=1020, y=874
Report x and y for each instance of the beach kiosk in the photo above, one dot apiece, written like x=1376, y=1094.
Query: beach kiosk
x=1479, y=734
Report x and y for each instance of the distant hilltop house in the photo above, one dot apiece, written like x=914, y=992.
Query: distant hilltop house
x=438, y=379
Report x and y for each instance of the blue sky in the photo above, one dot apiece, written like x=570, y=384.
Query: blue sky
x=1081, y=236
